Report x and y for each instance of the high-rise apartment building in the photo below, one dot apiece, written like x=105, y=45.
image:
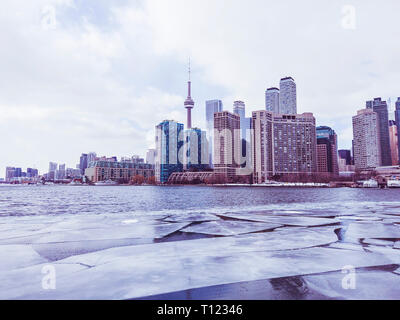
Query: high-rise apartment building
x=288, y=96
x=91, y=157
x=327, y=151
x=394, y=142
x=212, y=106
x=381, y=109
x=283, y=144
x=272, y=100
x=366, y=137
x=397, y=118
x=239, y=108
x=10, y=173
x=169, y=151
x=151, y=156
x=227, y=144
x=83, y=163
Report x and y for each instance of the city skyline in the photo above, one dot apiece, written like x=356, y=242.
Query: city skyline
x=59, y=104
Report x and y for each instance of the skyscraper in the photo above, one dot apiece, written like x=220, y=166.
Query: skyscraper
x=381, y=108
x=327, y=150
x=83, y=163
x=346, y=155
x=239, y=108
x=366, y=137
x=226, y=144
x=151, y=156
x=283, y=144
x=91, y=157
x=272, y=100
x=394, y=143
x=10, y=173
x=397, y=118
x=189, y=103
x=212, y=106
x=169, y=156
x=288, y=96
x=195, y=150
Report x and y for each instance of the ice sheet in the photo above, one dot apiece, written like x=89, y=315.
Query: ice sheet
x=230, y=228
x=285, y=220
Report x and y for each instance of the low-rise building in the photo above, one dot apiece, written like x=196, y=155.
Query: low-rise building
x=117, y=171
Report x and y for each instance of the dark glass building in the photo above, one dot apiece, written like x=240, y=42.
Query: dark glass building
x=83, y=163
x=381, y=108
x=327, y=150
x=345, y=154
x=169, y=142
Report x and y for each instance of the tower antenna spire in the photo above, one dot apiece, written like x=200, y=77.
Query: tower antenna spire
x=189, y=69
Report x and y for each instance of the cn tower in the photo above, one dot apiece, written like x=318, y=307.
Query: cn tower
x=189, y=103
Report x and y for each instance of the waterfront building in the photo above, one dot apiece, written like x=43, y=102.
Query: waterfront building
x=10, y=173
x=272, y=100
x=169, y=141
x=327, y=150
x=212, y=106
x=91, y=157
x=83, y=163
x=397, y=119
x=151, y=156
x=366, y=137
x=283, y=144
x=346, y=155
x=122, y=172
x=239, y=108
x=381, y=109
x=394, y=143
x=227, y=144
x=195, y=150
x=73, y=173
x=288, y=96
x=32, y=173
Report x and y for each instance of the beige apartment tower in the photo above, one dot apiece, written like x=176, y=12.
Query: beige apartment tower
x=227, y=144
x=367, y=151
x=283, y=144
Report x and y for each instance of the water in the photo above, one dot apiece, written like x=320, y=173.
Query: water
x=198, y=242
x=56, y=200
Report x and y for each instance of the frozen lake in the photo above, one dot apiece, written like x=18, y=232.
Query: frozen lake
x=198, y=243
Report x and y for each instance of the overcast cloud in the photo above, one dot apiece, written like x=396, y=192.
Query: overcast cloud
x=80, y=75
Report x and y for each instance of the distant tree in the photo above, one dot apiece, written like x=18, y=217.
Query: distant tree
x=138, y=180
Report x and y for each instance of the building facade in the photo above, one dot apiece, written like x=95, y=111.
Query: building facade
x=288, y=96
x=195, y=150
x=117, y=171
x=227, y=144
x=212, y=106
x=346, y=155
x=272, y=100
x=83, y=163
x=366, y=140
x=381, y=109
x=283, y=144
x=394, y=142
x=327, y=150
x=397, y=119
x=239, y=108
x=151, y=156
x=169, y=151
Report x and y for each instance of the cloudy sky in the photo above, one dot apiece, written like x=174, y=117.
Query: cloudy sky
x=98, y=75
